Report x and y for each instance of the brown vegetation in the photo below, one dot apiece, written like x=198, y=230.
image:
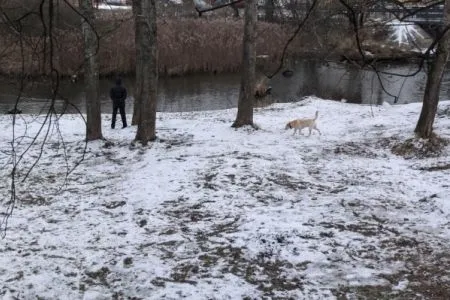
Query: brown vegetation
x=185, y=46
x=416, y=147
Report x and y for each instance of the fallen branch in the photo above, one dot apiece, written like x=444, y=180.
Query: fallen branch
x=200, y=11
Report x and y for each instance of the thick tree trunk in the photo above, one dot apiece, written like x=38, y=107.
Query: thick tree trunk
x=269, y=7
x=424, y=127
x=235, y=11
x=246, y=94
x=148, y=81
x=91, y=76
x=138, y=72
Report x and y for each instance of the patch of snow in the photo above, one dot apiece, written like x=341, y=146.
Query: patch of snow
x=212, y=212
x=113, y=7
x=95, y=295
x=402, y=285
x=406, y=33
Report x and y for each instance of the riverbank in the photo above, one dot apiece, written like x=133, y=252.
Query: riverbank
x=189, y=45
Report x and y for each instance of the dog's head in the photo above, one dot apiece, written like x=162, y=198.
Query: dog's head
x=288, y=126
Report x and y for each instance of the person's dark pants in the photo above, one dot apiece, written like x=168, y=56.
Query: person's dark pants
x=121, y=107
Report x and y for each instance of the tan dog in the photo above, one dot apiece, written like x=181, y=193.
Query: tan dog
x=299, y=124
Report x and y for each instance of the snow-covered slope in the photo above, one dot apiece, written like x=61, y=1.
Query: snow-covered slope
x=211, y=212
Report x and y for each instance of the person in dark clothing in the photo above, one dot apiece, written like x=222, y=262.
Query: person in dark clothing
x=118, y=94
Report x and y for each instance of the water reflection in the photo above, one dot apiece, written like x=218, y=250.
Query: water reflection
x=209, y=92
x=339, y=81
x=190, y=93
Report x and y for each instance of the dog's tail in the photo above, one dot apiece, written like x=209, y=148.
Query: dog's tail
x=317, y=115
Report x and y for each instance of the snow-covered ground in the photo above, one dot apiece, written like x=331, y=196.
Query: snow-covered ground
x=212, y=212
x=113, y=6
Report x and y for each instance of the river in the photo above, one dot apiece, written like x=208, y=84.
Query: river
x=336, y=81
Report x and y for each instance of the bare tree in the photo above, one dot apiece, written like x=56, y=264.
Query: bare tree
x=91, y=76
x=22, y=163
x=269, y=8
x=146, y=69
x=437, y=63
x=202, y=6
x=424, y=127
x=246, y=93
x=138, y=72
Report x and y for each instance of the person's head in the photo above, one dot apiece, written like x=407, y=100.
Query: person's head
x=118, y=81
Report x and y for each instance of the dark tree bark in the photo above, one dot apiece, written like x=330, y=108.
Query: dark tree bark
x=424, y=127
x=148, y=74
x=246, y=94
x=138, y=74
x=91, y=76
x=235, y=11
x=269, y=8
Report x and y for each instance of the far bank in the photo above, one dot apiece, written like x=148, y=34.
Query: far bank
x=201, y=45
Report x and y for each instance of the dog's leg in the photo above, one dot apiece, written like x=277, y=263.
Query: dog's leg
x=310, y=130
x=315, y=127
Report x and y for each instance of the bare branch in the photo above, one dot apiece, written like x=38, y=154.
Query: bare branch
x=201, y=11
x=299, y=27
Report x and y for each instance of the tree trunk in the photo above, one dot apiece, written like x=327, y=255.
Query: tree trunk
x=148, y=75
x=138, y=72
x=269, y=7
x=424, y=127
x=91, y=76
x=246, y=93
x=235, y=11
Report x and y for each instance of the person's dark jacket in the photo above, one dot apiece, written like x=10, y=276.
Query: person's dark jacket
x=118, y=93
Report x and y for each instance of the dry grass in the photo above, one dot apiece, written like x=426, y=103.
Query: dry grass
x=185, y=46
x=421, y=148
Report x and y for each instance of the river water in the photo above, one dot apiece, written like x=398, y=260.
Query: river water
x=334, y=81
